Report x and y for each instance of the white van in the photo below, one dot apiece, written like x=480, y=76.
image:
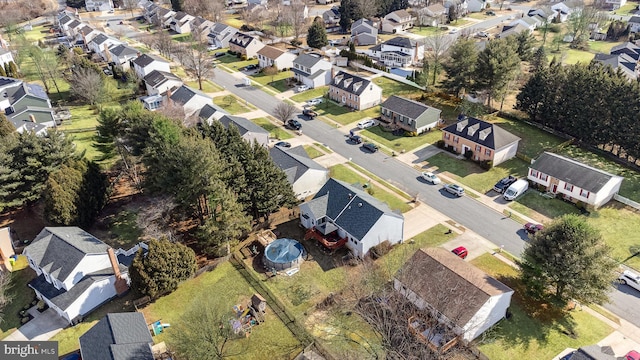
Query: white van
x=516, y=189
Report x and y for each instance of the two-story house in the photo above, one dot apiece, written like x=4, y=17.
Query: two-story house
x=146, y=63
x=149, y=9
x=163, y=17
x=159, y=82
x=634, y=24
x=98, y=5
x=220, y=34
x=248, y=130
x=122, y=55
x=399, y=52
x=364, y=32
x=575, y=181
x=461, y=7
x=305, y=175
x=76, y=271
x=476, y=5
x=312, y=70
x=562, y=11
x=271, y=56
x=118, y=336
x=409, y=115
x=202, y=26
x=87, y=33
x=397, y=22
x=615, y=4
x=244, y=44
x=181, y=22
x=545, y=13
x=350, y=216
x=354, y=91
x=26, y=106
x=5, y=57
x=332, y=16
x=624, y=57
x=487, y=141
x=191, y=100
x=101, y=44
x=432, y=15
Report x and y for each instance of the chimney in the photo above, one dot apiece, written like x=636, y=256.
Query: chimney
x=32, y=118
x=106, y=52
x=120, y=283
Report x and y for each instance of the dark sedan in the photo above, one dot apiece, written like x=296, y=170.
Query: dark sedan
x=370, y=147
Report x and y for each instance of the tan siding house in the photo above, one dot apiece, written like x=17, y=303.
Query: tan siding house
x=354, y=92
x=245, y=45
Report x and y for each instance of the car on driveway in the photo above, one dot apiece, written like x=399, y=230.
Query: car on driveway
x=532, y=228
x=632, y=355
x=370, y=147
x=454, y=189
x=431, y=177
x=283, y=144
x=490, y=13
x=250, y=67
x=294, y=124
x=302, y=88
x=356, y=139
x=314, y=102
x=482, y=34
x=504, y=184
x=460, y=252
x=630, y=278
x=454, y=31
x=107, y=72
x=366, y=123
x=309, y=113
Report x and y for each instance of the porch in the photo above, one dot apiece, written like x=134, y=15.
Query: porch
x=437, y=336
x=327, y=235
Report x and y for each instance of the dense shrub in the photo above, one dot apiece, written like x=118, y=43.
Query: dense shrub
x=380, y=250
x=486, y=164
x=440, y=144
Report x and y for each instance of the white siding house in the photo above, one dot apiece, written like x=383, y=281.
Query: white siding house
x=249, y=131
x=271, y=56
x=189, y=99
x=145, y=64
x=159, y=82
x=312, y=70
x=305, y=175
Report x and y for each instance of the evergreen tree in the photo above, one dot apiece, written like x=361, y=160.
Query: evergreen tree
x=14, y=69
x=461, y=66
x=497, y=64
x=7, y=70
x=177, y=5
x=398, y=5
x=346, y=10
x=2, y=71
x=6, y=127
x=317, y=35
x=539, y=60
x=525, y=41
x=93, y=194
x=163, y=268
x=62, y=193
x=9, y=174
x=108, y=129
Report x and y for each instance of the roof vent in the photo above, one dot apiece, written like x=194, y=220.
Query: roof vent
x=350, y=195
x=359, y=204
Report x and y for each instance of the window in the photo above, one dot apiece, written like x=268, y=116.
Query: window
x=568, y=187
x=478, y=148
x=533, y=173
x=447, y=136
x=456, y=139
x=543, y=177
x=487, y=152
x=584, y=193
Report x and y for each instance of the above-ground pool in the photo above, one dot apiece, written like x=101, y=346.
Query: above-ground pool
x=283, y=254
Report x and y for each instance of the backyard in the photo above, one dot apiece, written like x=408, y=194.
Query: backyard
x=392, y=87
x=427, y=30
x=276, y=132
x=533, y=141
x=21, y=296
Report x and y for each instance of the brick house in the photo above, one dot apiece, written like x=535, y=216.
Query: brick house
x=354, y=92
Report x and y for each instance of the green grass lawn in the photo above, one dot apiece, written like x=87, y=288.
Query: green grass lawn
x=181, y=37
x=478, y=16
x=124, y=230
x=234, y=107
x=342, y=114
x=344, y=173
x=235, y=22
x=38, y=33
x=207, y=86
x=276, y=82
x=427, y=30
x=524, y=336
x=626, y=9
x=399, y=143
x=551, y=208
x=533, y=140
x=276, y=132
x=312, y=151
x=21, y=296
x=310, y=94
x=234, y=62
x=619, y=229
x=268, y=341
x=392, y=87
x=472, y=175
x=574, y=56
x=82, y=128
x=323, y=148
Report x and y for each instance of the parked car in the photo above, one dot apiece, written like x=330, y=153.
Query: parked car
x=490, y=13
x=309, y=113
x=283, y=144
x=107, y=72
x=431, y=177
x=212, y=47
x=454, y=189
x=370, y=147
x=632, y=355
x=532, y=228
x=250, y=67
x=630, y=278
x=314, y=102
x=366, y=123
x=302, y=88
x=516, y=189
x=504, y=183
x=460, y=252
x=294, y=124
x=356, y=139
x=482, y=34
x=454, y=31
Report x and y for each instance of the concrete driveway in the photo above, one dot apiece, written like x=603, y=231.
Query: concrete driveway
x=42, y=327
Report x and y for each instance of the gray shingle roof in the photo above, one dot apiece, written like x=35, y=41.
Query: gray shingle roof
x=209, y=110
x=244, y=125
x=157, y=77
x=292, y=162
x=307, y=60
x=242, y=40
x=349, y=207
x=123, y=50
x=351, y=83
x=401, y=42
x=58, y=250
x=146, y=59
x=99, y=39
x=481, y=132
x=118, y=336
x=570, y=171
x=409, y=108
x=184, y=94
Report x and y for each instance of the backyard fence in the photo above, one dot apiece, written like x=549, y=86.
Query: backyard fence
x=626, y=201
x=389, y=75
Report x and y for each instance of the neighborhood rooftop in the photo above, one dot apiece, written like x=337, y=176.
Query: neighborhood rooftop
x=481, y=132
x=571, y=171
x=118, y=336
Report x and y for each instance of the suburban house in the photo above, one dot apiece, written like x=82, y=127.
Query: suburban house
x=624, y=57
x=98, y=5
x=615, y=4
x=575, y=181
x=509, y=30
x=201, y=25
x=461, y=6
x=397, y=22
x=487, y=141
x=74, y=27
x=191, y=100
x=26, y=106
x=86, y=33
x=211, y=112
x=5, y=57
x=331, y=16
x=344, y=214
x=271, y=56
x=249, y=131
x=562, y=11
x=244, y=44
x=530, y=22
x=364, y=32
x=476, y=5
x=64, y=20
x=159, y=82
x=312, y=70
x=409, y=115
x=220, y=34
x=122, y=55
x=432, y=15
x=544, y=13
x=101, y=44
x=354, y=92
x=145, y=63
x=305, y=175
x=453, y=293
x=149, y=9
x=163, y=17
x=399, y=52
x=118, y=336
x=634, y=24
x=181, y=22
x=6, y=249
x=76, y=271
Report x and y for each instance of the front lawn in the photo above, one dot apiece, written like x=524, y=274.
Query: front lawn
x=310, y=94
x=551, y=208
x=232, y=104
x=21, y=296
x=530, y=332
x=312, y=151
x=619, y=228
x=399, y=143
x=225, y=287
x=344, y=173
x=276, y=82
x=276, y=132
x=207, y=86
x=392, y=87
x=344, y=115
x=472, y=175
x=626, y=9
x=234, y=62
x=427, y=30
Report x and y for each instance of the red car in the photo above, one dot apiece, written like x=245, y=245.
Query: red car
x=532, y=228
x=632, y=355
x=460, y=252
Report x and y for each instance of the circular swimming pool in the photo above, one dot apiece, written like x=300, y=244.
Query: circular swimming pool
x=283, y=254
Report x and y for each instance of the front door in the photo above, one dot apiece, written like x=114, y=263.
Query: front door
x=555, y=188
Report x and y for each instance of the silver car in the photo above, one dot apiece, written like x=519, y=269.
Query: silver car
x=454, y=189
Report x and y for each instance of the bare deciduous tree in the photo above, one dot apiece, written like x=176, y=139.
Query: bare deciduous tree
x=436, y=48
x=578, y=24
x=196, y=59
x=87, y=85
x=5, y=297
x=164, y=43
x=284, y=111
x=297, y=18
x=155, y=217
x=129, y=5
x=208, y=9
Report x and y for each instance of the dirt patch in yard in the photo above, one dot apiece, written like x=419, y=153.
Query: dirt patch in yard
x=25, y=222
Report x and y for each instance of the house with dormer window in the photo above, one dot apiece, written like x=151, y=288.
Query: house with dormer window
x=574, y=180
x=342, y=214
x=244, y=44
x=76, y=272
x=399, y=52
x=312, y=70
x=397, y=22
x=354, y=91
x=487, y=141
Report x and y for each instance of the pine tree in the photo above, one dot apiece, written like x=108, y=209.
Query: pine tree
x=2, y=71
x=497, y=65
x=461, y=66
x=61, y=195
x=177, y=5
x=14, y=69
x=525, y=41
x=7, y=70
x=6, y=127
x=317, y=35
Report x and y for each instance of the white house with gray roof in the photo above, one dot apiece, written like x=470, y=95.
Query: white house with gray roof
x=409, y=115
x=159, y=82
x=122, y=55
x=305, y=175
x=364, y=220
x=399, y=52
x=575, y=181
x=312, y=70
x=118, y=336
x=26, y=106
x=219, y=35
x=181, y=22
x=98, y=5
x=249, y=131
x=145, y=64
x=76, y=271
x=397, y=22
x=101, y=44
x=191, y=100
x=211, y=112
x=364, y=32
